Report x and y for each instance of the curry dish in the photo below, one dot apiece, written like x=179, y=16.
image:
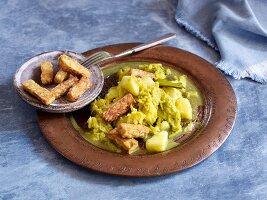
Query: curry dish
x=145, y=112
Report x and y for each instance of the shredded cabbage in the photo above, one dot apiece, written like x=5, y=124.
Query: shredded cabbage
x=134, y=117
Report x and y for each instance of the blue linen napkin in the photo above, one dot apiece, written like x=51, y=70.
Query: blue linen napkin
x=236, y=28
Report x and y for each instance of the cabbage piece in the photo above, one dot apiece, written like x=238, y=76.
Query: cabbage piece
x=115, y=93
x=168, y=112
x=182, y=80
x=98, y=129
x=134, y=117
x=148, y=102
x=122, y=72
x=150, y=109
x=164, y=126
x=112, y=94
x=173, y=93
x=172, y=116
x=98, y=106
x=146, y=82
x=98, y=125
x=157, y=69
x=155, y=129
x=160, y=126
x=94, y=138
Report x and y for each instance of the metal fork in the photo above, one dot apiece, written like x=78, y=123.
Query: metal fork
x=103, y=55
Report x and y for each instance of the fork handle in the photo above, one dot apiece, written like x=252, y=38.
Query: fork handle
x=149, y=44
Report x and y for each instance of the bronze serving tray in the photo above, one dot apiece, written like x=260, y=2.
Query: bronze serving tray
x=219, y=117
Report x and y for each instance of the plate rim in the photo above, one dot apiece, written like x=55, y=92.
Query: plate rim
x=132, y=169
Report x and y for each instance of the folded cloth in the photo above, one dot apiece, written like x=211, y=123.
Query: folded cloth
x=236, y=28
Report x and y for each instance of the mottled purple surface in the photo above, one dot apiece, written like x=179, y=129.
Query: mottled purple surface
x=31, y=169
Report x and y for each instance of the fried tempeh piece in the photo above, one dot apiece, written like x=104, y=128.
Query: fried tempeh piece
x=46, y=72
x=72, y=66
x=63, y=87
x=61, y=76
x=130, y=145
x=118, y=108
x=113, y=132
x=133, y=130
x=79, y=88
x=44, y=95
x=141, y=73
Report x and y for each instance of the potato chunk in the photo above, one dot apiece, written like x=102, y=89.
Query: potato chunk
x=46, y=72
x=72, y=66
x=184, y=106
x=130, y=84
x=158, y=142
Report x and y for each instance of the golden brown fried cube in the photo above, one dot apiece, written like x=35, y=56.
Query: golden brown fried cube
x=141, y=73
x=79, y=88
x=63, y=87
x=118, y=108
x=61, y=76
x=130, y=145
x=44, y=95
x=72, y=66
x=46, y=72
x=133, y=130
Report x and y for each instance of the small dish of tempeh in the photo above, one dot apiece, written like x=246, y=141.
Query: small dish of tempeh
x=57, y=82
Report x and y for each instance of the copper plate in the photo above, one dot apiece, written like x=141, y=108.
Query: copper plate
x=220, y=102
